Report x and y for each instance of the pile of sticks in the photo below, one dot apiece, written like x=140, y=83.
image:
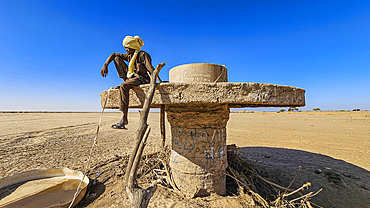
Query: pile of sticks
x=243, y=180
x=153, y=167
x=251, y=185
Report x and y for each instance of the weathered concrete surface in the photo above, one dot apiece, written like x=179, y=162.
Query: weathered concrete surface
x=198, y=155
x=234, y=94
x=198, y=72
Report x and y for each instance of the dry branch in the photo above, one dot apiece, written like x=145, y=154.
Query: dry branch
x=133, y=172
x=169, y=178
x=143, y=118
x=272, y=183
x=140, y=197
x=299, y=168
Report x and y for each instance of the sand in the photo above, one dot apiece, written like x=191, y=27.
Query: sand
x=337, y=143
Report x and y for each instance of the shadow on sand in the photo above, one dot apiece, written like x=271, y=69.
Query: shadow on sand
x=94, y=190
x=343, y=184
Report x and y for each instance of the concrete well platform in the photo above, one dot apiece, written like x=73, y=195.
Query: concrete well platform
x=235, y=95
x=198, y=115
x=197, y=101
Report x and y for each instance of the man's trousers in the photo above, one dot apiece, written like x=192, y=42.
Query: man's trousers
x=125, y=87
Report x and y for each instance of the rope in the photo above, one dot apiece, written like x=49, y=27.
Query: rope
x=92, y=148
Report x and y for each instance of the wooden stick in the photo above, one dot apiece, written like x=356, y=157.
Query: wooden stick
x=239, y=178
x=299, y=168
x=169, y=178
x=163, y=126
x=140, y=197
x=293, y=192
x=143, y=119
x=311, y=194
x=135, y=165
x=271, y=183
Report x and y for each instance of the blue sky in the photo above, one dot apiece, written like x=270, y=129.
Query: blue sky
x=52, y=51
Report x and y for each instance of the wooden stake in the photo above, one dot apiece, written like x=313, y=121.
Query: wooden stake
x=140, y=197
x=163, y=126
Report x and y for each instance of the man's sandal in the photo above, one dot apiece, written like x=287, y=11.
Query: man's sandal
x=119, y=125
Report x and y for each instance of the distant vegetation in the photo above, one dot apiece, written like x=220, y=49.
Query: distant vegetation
x=356, y=109
x=242, y=111
x=290, y=109
x=317, y=109
x=293, y=109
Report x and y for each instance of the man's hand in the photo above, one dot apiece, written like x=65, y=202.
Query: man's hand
x=104, y=71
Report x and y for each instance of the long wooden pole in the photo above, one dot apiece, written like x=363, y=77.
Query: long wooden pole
x=163, y=126
x=143, y=120
x=140, y=197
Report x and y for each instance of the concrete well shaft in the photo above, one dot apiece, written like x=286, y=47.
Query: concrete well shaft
x=199, y=156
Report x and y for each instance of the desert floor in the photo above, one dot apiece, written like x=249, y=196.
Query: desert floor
x=338, y=143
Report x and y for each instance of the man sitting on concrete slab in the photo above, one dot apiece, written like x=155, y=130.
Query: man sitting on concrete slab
x=135, y=74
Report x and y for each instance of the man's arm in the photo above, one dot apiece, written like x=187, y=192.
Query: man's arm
x=104, y=69
x=149, y=66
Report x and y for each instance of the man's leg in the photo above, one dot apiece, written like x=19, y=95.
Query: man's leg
x=124, y=92
x=121, y=67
